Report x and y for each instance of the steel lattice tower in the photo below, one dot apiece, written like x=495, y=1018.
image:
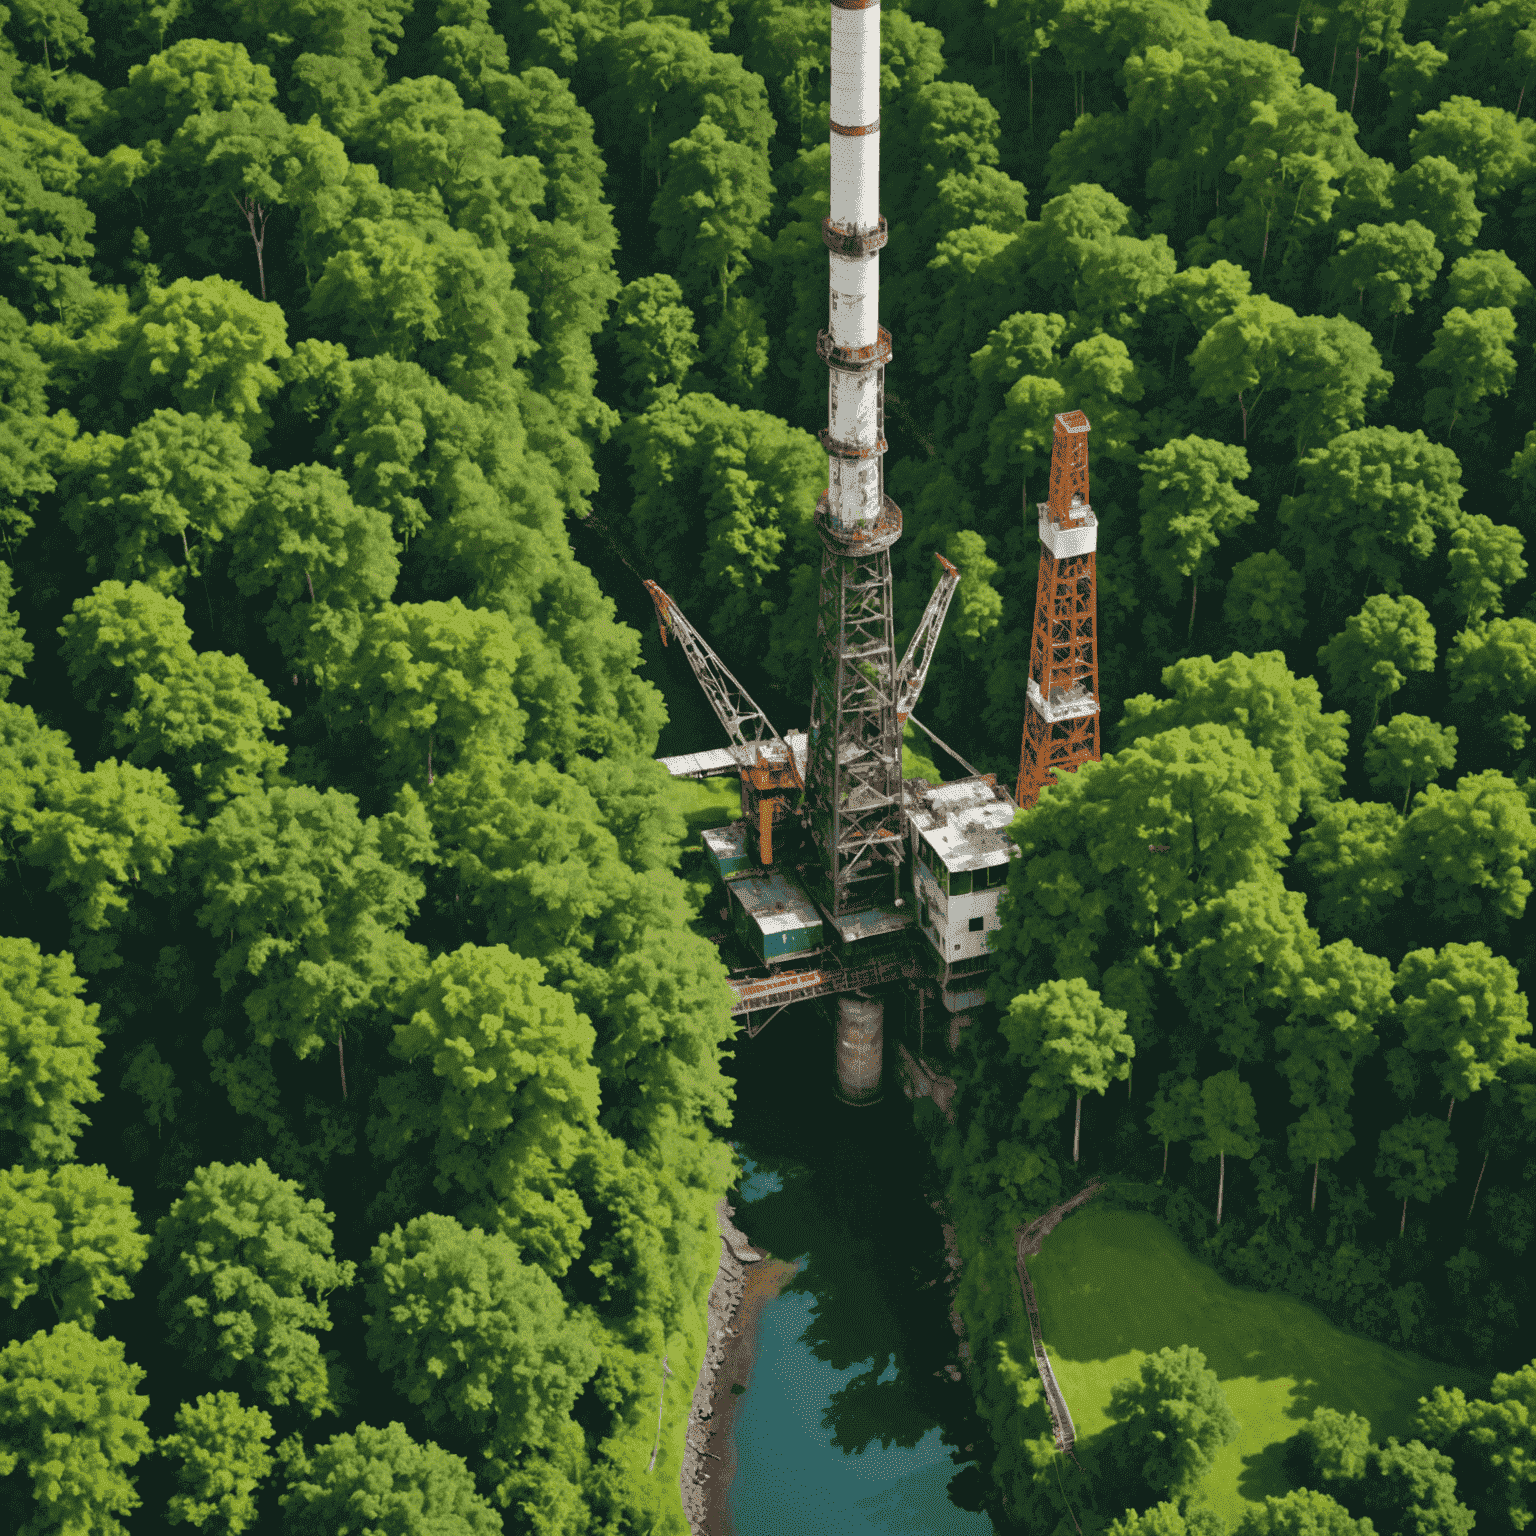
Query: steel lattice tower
x=1061, y=721
x=853, y=777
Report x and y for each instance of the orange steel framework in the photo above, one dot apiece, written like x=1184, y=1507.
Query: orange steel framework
x=1061, y=718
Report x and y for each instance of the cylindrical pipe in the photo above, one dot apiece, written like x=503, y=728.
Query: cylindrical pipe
x=859, y=1049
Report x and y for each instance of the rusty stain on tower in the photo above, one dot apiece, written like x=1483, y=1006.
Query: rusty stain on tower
x=1061, y=719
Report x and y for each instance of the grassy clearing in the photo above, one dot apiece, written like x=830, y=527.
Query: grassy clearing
x=1116, y=1286
x=707, y=802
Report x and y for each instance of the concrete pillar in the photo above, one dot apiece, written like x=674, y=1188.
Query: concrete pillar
x=858, y=1046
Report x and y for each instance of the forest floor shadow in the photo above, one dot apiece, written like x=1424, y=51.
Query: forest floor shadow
x=1116, y=1286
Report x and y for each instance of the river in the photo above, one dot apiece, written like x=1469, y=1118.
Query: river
x=851, y=1419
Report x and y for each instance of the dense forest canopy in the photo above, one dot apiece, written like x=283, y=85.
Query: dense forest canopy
x=361, y=1077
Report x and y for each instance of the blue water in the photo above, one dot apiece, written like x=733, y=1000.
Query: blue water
x=826, y=1442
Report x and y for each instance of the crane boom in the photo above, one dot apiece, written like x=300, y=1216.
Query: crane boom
x=744, y=722
x=913, y=671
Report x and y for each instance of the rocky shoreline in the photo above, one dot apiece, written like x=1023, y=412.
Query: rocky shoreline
x=703, y=1489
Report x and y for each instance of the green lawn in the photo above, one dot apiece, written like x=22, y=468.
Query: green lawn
x=707, y=803
x=1115, y=1286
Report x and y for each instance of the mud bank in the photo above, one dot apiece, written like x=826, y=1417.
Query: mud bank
x=743, y=1284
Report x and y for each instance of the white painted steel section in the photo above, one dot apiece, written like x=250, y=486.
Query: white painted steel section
x=854, y=486
x=855, y=318
x=1072, y=705
x=855, y=72
x=1076, y=538
x=855, y=203
x=853, y=407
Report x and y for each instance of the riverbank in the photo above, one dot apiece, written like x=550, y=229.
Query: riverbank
x=763, y=1282
x=743, y=1285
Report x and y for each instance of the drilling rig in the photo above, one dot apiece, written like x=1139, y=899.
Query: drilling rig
x=843, y=881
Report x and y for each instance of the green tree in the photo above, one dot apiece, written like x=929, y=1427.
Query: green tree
x=1324, y=372
x=1067, y=1037
x=314, y=898
x=191, y=76
x=202, y=715
x=1189, y=503
x=71, y=1234
x=1491, y=1442
x=1374, y=502
x=1243, y=951
x=389, y=1481
x=133, y=502
x=1486, y=280
x=105, y=837
x=1492, y=53
x=1466, y=850
x=472, y=1334
x=1083, y=850
x=1472, y=351
x=1441, y=197
x=249, y=1264
x=1350, y=854
x=220, y=1448
x=415, y=289
x=1491, y=666
x=1335, y=1446
x=1170, y=1423
x=15, y=652
x=48, y=1048
x=503, y=1092
x=1175, y=1115
x=1417, y=1158
x=1369, y=659
x=70, y=1422
x=1321, y=1132
x=154, y=1081
x=1228, y=1123
x=1329, y=1030
x=327, y=561
x=209, y=185
x=710, y=210
x=1264, y=599
x=1262, y=699
x=1485, y=558
x=29, y=436
x=450, y=161
x=1488, y=141
x=209, y=346
x=1410, y=1489
x=1165, y=1519
x=1465, y=1004
x=1384, y=267
x=723, y=506
x=1409, y=750
x=546, y=877
x=652, y=331
x=433, y=681
x=1301, y=1512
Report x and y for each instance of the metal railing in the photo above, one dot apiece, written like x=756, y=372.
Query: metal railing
x=778, y=992
x=1027, y=1240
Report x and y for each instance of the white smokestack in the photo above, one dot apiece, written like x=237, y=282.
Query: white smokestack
x=855, y=348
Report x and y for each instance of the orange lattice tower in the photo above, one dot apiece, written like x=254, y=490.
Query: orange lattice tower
x=1061, y=722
